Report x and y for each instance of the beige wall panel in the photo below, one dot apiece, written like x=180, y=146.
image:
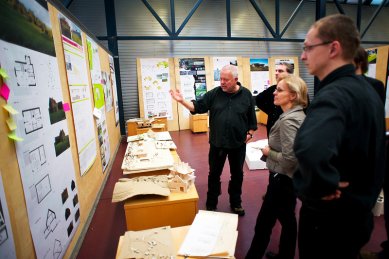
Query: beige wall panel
x=88, y=186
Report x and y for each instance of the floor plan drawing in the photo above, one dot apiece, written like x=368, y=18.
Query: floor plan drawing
x=24, y=72
x=36, y=158
x=33, y=120
x=57, y=250
x=51, y=223
x=43, y=188
x=3, y=228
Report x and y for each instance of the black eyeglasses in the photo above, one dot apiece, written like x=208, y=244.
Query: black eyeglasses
x=310, y=47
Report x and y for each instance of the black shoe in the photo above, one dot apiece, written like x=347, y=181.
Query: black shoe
x=272, y=255
x=211, y=208
x=238, y=210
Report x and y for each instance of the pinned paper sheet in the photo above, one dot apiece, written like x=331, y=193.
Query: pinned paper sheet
x=66, y=107
x=3, y=73
x=13, y=136
x=4, y=91
x=11, y=124
x=97, y=113
x=10, y=109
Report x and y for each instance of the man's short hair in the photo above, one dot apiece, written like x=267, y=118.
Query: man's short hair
x=339, y=27
x=233, y=69
x=360, y=60
x=289, y=67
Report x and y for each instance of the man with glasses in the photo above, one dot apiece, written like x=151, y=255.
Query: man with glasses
x=265, y=99
x=340, y=147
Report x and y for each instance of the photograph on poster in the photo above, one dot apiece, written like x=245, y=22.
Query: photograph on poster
x=259, y=70
x=192, y=77
x=61, y=143
x=56, y=111
x=218, y=64
x=31, y=18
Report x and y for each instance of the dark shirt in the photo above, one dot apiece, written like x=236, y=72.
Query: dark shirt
x=230, y=116
x=378, y=86
x=342, y=139
x=265, y=102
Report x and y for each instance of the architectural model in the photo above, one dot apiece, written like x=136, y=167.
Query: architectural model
x=143, y=156
x=181, y=177
x=128, y=187
x=150, y=243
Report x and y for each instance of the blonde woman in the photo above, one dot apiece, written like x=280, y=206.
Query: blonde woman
x=280, y=199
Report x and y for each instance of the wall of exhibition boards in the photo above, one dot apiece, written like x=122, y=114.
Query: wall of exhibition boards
x=53, y=228
x=193, y=76
x=379, y=68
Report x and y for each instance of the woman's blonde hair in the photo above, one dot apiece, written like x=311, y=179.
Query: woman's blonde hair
x=298, y=86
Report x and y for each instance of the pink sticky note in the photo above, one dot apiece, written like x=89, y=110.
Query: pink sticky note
x=4, y=91
x=66, y=107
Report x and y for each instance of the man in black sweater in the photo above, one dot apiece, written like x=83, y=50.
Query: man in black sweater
x=340, y=147
x=265, y=99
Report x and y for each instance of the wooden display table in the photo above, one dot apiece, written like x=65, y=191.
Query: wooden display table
x=151, y=211
x=158, y=125
x=198, y=123
x=261, y=117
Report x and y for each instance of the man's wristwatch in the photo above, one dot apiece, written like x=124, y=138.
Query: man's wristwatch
x=251, y=135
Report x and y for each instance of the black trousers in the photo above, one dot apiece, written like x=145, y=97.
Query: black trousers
x=216, y=159
x=279, y=204
x=333, y=229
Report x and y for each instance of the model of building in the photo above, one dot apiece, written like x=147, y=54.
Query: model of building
x=181, y=177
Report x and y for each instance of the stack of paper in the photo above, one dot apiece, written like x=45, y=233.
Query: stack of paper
x=212, y=234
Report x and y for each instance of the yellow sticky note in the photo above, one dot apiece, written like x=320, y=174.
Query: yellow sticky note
x=11, y=124
x=3, y=73
x=13, y=136
x=10, y=109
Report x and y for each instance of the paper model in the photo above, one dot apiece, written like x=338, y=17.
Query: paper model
x=128, y=187
x=150, y=243
x=181, y=177
x=165, y=144
x=143, y=156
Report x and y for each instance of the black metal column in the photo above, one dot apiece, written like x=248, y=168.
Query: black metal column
x=113, y=47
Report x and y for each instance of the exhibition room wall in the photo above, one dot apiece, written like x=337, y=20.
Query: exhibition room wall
x=134, y=19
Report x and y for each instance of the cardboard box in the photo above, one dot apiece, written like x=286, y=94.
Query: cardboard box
x=254, y=154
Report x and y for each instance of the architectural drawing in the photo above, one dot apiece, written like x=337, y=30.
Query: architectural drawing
x=3, y=227
x=67, y=213
x=70, y=228
x=43, y=188
x=24, y=72
x=32, y=120
x=57, y=249
x=64, y=195
x=77, y=215
x=51, y=223
x=35, y=159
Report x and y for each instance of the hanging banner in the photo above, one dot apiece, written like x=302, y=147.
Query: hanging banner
x=79, y=90
x=155, y=87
